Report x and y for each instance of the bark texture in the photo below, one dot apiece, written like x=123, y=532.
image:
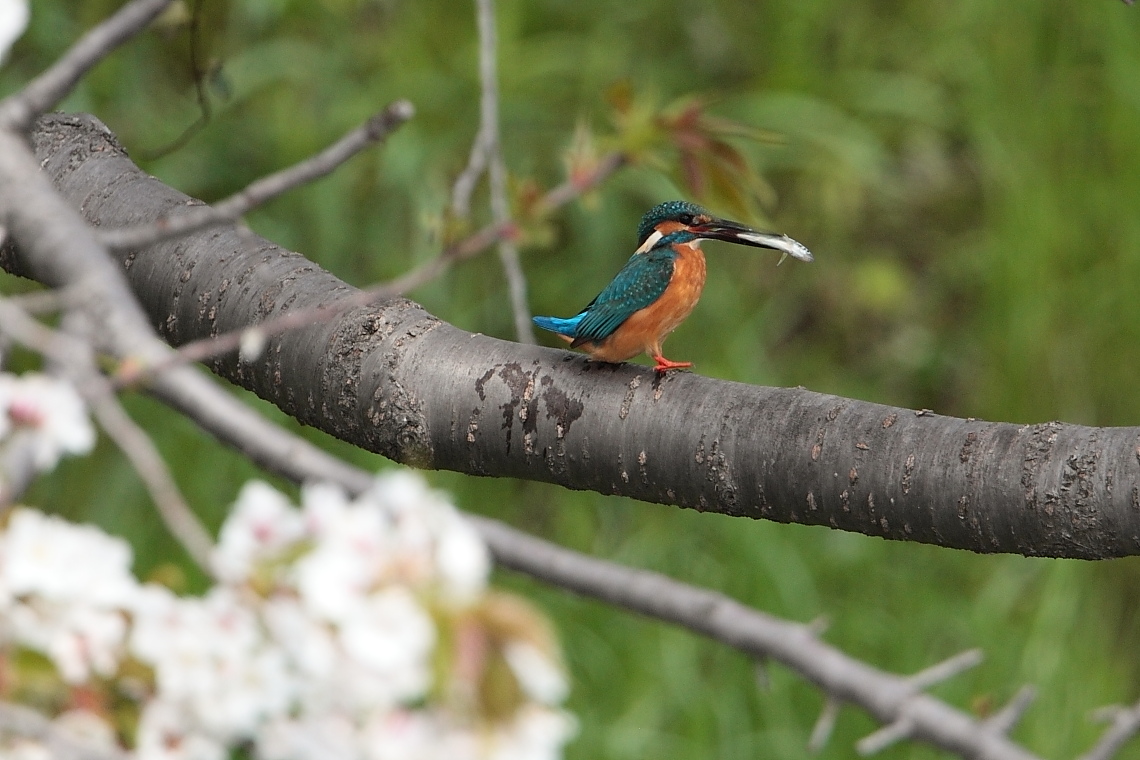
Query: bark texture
x=398, y=381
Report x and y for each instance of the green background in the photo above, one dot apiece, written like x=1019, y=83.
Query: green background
x=967, y=173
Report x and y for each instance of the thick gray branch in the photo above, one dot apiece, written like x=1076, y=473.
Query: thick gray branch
x=890, y=698
x=398, y=381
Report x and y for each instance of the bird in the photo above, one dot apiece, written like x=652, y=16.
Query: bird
x=658, y=287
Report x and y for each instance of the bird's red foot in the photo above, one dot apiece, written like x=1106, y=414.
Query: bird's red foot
x=663, y=365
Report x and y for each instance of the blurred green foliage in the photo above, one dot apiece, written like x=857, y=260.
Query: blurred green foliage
x=967, y=174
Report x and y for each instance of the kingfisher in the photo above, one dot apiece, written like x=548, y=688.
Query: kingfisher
x=659, y=286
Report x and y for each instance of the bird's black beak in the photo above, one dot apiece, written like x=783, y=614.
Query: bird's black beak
x=734, y=232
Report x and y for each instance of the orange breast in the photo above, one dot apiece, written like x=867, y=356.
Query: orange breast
x=646, y=328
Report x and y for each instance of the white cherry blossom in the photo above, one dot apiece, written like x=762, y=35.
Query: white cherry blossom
x=165, y=734
x=322, y=639
x=45, y=414
x=261, y=525
x=59, y=561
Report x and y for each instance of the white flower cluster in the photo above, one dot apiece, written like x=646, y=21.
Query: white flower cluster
x=343, y=630
x=41, y=419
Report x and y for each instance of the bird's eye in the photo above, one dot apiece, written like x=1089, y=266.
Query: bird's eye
x=685, y=219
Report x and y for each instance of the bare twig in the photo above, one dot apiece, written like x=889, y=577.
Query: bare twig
x=465, y=183
x=824, y=725
x=888, y=697
x=946, y=669
x=889, y=734
x=39, y=301
x=18, y=111
x=133, y=441
x=761, y=674
x=487, y=154
x=60, y=743
x=1005, y=719
x=1124, y=724
x=75, y=358
x=232, y=208
x=512, y=267
x=205, y=348
x=579, y=184
x=198, y=75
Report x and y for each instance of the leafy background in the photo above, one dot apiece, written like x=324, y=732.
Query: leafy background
x=967, y=174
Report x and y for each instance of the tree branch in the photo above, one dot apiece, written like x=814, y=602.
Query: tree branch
x=888, y=697
x=1006, y=718
x=201, y=349
x=397, y=381
x=492, y=144
x=18, y=111
x=1124, y=723
x=75, y=358
x=894, y=700
x=263, y=190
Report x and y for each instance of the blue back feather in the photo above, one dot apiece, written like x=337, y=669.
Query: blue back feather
x=640, y=282
x=559, y=325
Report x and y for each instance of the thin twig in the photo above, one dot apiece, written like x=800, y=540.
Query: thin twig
x=18, y=111
x=1125, y=723
x=205, y=348
x=580, y=184
x=60, y=743
x=75, y=358
x=1006, y=718
x=144, y=456
x=761, y=674
x=232, y=208
x=39, y=301
x=885, y=737
x=198, y=75
x=824, y=725
x=465, y=183
x=946, y=669
x=491, y=144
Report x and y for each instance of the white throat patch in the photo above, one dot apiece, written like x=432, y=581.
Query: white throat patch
x=650, y=242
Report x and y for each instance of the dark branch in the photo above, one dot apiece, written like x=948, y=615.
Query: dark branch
x=202, y=349
x=896, y=701
x=396, y=380
x=18, y=111
x=888, y=697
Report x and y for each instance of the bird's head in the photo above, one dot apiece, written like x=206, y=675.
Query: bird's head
x=675, y=222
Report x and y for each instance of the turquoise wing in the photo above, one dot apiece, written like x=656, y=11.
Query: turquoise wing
x=640, y=282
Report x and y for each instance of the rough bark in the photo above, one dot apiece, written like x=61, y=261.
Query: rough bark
x=396, y=380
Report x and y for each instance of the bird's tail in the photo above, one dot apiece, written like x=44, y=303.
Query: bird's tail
x=567, y=327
